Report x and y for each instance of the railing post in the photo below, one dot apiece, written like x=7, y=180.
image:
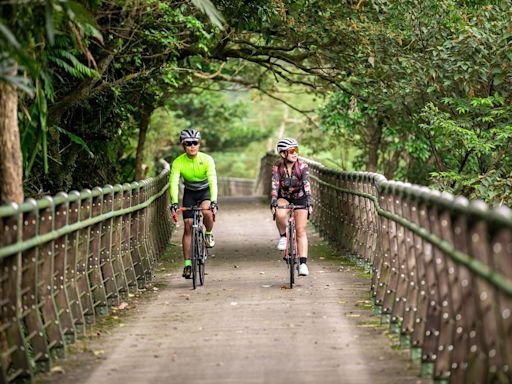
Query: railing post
x=117, y=255
x=82, y=254
x=106, y=264
x=146, y=258
x=60, y=265
x=411, y=274
x=126, y=243
x=501, y=246
x=385, y=293
x=483, y=339
x=136, y=256
x=14, y=362
x=146, y=235
x=73, y=275
x=30, y=314
x=97, y=286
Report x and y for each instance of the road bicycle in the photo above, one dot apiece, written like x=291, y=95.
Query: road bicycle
x=290, y=253
x=199, y=250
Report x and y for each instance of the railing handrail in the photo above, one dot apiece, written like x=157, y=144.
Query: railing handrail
x=61, y=197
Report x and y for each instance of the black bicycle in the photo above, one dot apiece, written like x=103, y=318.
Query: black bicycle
x=290, y=253
x=199, y=250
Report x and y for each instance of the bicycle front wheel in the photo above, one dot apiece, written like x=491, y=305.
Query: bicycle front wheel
x=202, y=260
x=195, y=257
x=291, y=254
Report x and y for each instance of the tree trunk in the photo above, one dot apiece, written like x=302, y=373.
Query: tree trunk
x=139, y=158
x=375, y=135
x=11, y=173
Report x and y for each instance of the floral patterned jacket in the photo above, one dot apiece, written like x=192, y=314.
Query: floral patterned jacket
x=294, y=186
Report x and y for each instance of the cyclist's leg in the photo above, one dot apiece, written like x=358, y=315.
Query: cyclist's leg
x=281, y=215
x=301, y=219
x=281, y=223
x=186, y=241
x=203, y=200
x=207, y=215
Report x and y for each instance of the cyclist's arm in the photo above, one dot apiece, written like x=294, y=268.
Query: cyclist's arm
x=306, y=183
x=275, y=182
x=174, y=181
x=212, y=179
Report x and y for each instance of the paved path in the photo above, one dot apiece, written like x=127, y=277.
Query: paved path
x=242, y=326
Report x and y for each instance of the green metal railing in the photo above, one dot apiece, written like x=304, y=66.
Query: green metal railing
x=441, y=267
x=66, y=260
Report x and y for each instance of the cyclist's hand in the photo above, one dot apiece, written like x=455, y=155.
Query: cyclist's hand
x=174, y=208
x=310, y=209
x=273, y=206
x=214, y=207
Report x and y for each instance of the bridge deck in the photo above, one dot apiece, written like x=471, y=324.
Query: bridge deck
x=242, y=326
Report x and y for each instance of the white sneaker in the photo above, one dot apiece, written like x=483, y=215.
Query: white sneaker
x=303, y=269
x=282, y=243
x=208, y=239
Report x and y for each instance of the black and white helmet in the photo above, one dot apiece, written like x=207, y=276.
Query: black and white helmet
x=189, y=134
x=285, y=144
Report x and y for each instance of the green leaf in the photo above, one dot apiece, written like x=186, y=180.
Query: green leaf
x=76, y=139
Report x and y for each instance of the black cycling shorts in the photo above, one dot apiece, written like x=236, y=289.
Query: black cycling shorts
x=191, y=198
x=302, y=201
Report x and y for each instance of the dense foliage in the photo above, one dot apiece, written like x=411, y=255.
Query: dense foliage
x=431, y=96
x=417, y=90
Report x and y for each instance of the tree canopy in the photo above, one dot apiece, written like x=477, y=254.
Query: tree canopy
x=417, y=90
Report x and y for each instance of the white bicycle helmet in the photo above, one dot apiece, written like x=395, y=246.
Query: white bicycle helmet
x=189, y=134
x=286, y=144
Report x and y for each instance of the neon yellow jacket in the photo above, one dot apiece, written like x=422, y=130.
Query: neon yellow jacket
x=198, y=173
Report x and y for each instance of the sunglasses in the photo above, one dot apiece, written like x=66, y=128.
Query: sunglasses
x=190, y=143
x=293, y=150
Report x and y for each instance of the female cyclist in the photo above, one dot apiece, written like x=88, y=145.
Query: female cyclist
x=290, y=185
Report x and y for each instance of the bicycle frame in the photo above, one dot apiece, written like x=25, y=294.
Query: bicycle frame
x=199, y=252
x=291, y=240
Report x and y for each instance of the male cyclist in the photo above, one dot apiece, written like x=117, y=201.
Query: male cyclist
x=290, y=185
x=200, y=180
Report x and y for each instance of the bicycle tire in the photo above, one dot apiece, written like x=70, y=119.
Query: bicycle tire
x=194, y=259
x=202, y=260
x=291, y=254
